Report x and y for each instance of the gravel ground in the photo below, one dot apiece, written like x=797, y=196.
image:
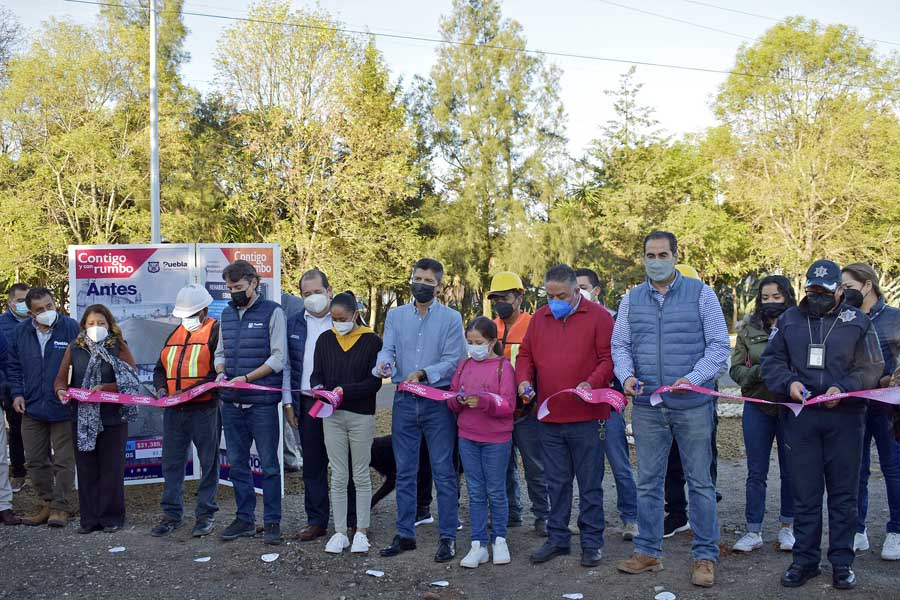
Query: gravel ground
x=45, y=563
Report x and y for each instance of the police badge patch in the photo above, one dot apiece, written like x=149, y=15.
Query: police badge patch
x=847, y=315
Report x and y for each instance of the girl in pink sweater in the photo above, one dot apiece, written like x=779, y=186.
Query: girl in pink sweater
x=485, y=436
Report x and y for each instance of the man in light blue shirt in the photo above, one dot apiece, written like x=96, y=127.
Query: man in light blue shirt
x=423, y=342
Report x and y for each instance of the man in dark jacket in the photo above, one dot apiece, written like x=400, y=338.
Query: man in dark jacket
x=36, y=351
x=823, y=346
x=16, y=312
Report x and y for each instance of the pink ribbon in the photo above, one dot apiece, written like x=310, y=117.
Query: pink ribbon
x=886, y=395
x=320, y=409
x=437, y=395
x=615, y=399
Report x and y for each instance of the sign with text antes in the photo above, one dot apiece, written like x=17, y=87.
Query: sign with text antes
x=138, y=284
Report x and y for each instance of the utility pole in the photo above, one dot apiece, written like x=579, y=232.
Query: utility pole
x=154, y=132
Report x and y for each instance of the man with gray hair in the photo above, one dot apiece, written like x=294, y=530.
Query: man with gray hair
x=567, y=345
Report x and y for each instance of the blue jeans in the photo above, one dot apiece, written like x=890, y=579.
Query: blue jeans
x=654, y=428
x=243, y=426
x=526, y=440
x=201, y=425
x=620, y=464
x=760, y=430
x=411, y=418
x=485, y=467
x=573, y=450
x=878, y=427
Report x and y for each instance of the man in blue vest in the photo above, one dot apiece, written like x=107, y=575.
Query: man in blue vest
x=16, y=312
x=670, y=330
x=252, y=348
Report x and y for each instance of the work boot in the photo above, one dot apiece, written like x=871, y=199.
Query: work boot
x=58, y=518
x=40, y=517
x=639, y=563
x=704, y=573
x=8, y=517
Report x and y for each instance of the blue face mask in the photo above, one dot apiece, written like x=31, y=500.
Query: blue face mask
x=560, y=308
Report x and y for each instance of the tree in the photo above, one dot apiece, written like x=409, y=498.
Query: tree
x=498, y=130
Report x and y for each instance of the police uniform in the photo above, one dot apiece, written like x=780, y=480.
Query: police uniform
x=823, y=346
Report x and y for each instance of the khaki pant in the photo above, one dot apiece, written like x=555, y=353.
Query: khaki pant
x=347, y=434
x=54, y=481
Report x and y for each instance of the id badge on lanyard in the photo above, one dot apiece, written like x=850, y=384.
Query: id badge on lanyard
x=815, y=357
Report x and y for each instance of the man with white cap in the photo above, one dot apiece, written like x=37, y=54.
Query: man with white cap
x=187, y=360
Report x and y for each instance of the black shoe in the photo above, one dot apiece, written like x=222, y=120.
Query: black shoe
x=718, y=497
x=400, y=544
x=843, y=578
x=203, y=526
x=238, y=528
x=272, y=534
x=548, y=551
x=591, y=558
x=446, y=550
x=540, y=527
x=165, y=527
x=796, y=575
x=514, y=522
x=87, y=530
x=675, y=523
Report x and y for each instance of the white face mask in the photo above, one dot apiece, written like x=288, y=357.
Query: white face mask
x=343, y=327
x=191, y=323
x=478, y=351
x=316, y=303
x=47, y=318
x=20, y=309
x=97, y=333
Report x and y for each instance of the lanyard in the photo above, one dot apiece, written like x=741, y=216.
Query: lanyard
x=826, y=335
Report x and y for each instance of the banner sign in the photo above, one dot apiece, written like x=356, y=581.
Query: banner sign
x=138, y=284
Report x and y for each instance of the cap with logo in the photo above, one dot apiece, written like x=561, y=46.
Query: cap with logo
x=191, y=299
x=505, y=281
x=825, y=274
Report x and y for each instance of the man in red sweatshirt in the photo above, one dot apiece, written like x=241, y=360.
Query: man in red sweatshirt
x=567, y=345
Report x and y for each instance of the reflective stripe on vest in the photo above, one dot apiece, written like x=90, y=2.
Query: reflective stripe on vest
x=187, y=358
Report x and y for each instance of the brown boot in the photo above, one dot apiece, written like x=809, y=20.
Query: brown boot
x=639, y=563
x=40, y=517
x=311, y=532
x=704, y=573
x=8, y=517
x=58, y=518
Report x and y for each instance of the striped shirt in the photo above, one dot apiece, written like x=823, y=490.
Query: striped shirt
x=715, y=331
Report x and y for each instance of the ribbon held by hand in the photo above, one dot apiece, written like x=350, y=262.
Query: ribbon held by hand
x=425, y=391
x=323, y=410
x=616, y=400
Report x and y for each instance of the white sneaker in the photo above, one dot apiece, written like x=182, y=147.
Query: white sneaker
x=891, y=548
x=337, y=543
x=476, y=556
x=750, y=542
x=786, y=539
x=630, y=531
x=501, y=552
x=360, y=543
x=861, y=542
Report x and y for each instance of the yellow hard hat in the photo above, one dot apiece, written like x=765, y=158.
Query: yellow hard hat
x=505, y=281
x=688, y=271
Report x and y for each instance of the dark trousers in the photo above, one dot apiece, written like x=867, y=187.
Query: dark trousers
x=824, y=447
x=182, y=425
x=574, y=451
x=16, y=446
x=676, y=500
x=101, y=478
x=315, y=470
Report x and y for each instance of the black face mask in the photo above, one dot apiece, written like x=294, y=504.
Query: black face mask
x=504, y=309
x=853, y=297
x=422, y=292
x=240, y=299
x=772, y=310
x=819, y=305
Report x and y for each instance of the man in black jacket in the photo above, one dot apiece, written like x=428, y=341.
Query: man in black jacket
x=823, y=346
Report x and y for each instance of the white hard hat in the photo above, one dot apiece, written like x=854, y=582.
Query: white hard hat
x=191, y=299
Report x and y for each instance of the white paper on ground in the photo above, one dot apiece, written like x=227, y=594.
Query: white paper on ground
x=374, y=573
x=440, y=583
x=269, y=557
x=573, y=596
x=117, y=549
x=665, y=596
x=202, y=559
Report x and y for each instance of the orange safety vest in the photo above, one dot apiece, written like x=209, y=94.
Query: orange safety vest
x=513, y=339
x=187, y=359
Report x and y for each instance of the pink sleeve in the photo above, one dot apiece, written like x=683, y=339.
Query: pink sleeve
x=452, y=403
x=506, y=391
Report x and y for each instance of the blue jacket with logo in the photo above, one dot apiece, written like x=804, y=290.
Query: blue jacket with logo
x=247, y=346
x=853, y=359
x=31, y=373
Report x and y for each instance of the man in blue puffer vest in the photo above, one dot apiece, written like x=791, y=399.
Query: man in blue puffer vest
x=252, y=348
x=823, y=346
x=670, y=330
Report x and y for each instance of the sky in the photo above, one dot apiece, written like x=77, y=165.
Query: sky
x=600, y=28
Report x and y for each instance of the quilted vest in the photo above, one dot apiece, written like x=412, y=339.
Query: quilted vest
x=247, y=346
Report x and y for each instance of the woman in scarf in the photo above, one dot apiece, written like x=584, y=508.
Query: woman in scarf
x=100, y=360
